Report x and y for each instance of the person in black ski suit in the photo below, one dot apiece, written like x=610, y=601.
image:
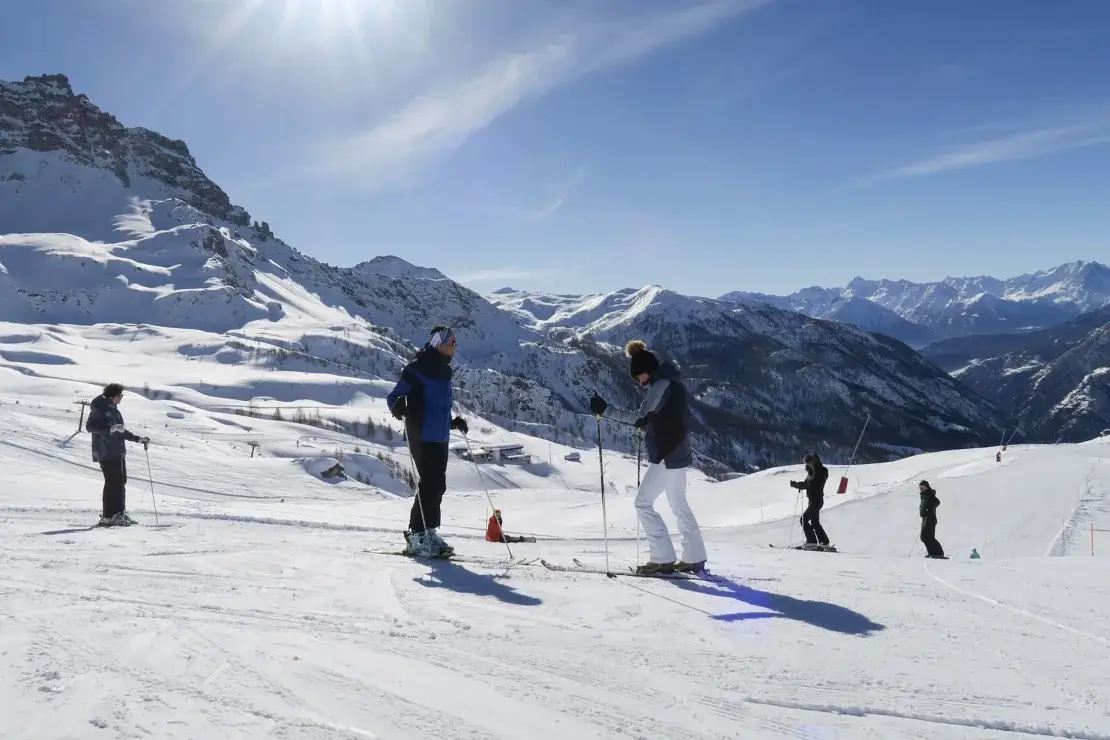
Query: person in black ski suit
x=423, y=399
x=109, y=448
x=928, y=512
x=814, y=486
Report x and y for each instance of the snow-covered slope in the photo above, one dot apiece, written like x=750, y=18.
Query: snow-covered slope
x=147, y=239
x=254, y=610
x=956, y=307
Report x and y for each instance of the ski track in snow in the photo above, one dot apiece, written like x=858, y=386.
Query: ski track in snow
x=1015, y=610
x=262, y=615
x=303, y=654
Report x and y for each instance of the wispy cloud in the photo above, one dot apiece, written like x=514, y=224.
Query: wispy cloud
x=503, y=274
x=559, y=192
x=1091, y=130
x=441, y=120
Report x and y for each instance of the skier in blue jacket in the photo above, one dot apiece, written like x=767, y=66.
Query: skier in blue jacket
x=423, y=399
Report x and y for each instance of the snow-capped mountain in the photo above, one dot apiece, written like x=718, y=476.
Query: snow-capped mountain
x=102, y=224
x=772, y=375
x=920, y=313
x=1055, y=383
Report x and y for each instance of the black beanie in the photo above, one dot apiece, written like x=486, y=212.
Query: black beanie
x=641, y=359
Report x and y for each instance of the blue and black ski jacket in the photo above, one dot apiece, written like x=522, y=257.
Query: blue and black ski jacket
x=426, y=385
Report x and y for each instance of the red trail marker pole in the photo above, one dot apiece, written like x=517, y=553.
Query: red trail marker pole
x=843, y=488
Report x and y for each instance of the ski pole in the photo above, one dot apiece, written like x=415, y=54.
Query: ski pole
x=604, y=515
x=150, y=478
x=416, y=487
x=798, y=500
x=639, y=440
x=489, y=499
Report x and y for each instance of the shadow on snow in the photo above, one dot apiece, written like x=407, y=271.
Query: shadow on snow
x=831, y=617
x=454, y=577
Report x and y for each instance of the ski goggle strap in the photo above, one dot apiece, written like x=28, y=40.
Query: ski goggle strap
x=443, y=336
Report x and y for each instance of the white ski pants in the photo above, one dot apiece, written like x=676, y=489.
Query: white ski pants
x=657, y=480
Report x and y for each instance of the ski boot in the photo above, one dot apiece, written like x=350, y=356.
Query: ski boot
x=423, y=545
x=416, y=544
x=652, y=569
x=116, y=520
x=438, y=545
x=694, y=568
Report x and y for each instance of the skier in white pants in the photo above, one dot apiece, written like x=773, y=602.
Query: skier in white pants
x=663, y=415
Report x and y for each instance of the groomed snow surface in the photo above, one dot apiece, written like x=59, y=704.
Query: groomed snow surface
x=254, y=611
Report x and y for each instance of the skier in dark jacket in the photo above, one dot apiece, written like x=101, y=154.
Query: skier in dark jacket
x=814, y=486
x=928, y=512
x=664, y=417
x=423, y=398
x=109, y=448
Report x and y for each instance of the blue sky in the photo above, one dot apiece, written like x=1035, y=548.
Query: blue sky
x=579, y=146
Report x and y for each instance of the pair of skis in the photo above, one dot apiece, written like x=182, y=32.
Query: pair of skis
x=578, y=567
x=806, y=548
x=453, y=557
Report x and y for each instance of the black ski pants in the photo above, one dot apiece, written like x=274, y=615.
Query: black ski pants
x=929, y=536
x=115, y=486
x=811, y=522
x=430, y=459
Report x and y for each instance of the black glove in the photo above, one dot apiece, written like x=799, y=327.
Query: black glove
x=399, y=407
x=795, y=484
x=597, y=405
x=459, y=423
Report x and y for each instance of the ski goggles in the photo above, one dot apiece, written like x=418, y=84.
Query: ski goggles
x=443, y=336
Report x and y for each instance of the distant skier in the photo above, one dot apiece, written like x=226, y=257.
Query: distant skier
x=109, y=448
x=928, y=512
x=494, y=531
x=814, y=486
x=423, y=398
x=664, y=415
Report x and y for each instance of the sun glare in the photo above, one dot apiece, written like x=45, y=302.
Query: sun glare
x=291, y=34
x=336, y=20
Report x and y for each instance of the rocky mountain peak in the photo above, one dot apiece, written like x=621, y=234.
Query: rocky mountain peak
x=392, y=266
x=44, y=115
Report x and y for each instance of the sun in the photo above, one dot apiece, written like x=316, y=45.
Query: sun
x=338, y=20
x=287, y=34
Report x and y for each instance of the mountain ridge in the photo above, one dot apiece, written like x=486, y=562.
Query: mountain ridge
x=1052, y=382
x=954, y=307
